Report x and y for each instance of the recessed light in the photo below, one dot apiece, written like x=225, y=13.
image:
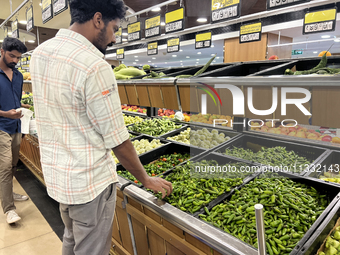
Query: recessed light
x=166, y=62
x=124, y=33
x=212, y=46
x=199, y=53
x=196, y=62
x=136, y=56
x=202, y=20
x=174, y=56
x=40, y=4
x=9, y=33
x=134, y=63
x=24, y=22
x=212, y=54
x=315, y=52
x=153, y=64
x=337, y=40
x=154, y=58
x=163, y=24
x=181, y=61
x=325, y=36
x=187, y=57
x=136, y=60
x=197, y=59
x=124, y=40
x=180, y=50
x=214, y=61
x=157, y=9
x=218, y=58
x=149, y=61
x=31, y=41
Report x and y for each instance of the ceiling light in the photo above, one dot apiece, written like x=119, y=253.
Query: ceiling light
x=9, y=33
x=153, y=58
x=214, y=61
x=199, y=53
x=1, y=40
x=136, y=60
x=218, y=58
x=166, y=62
x=202, y=20
x=153, y=64
x=124, y=40
x=149, y=61
x=212, y=55
x=163, y=24
x=134, y=63
x=31, y=41
x=124, y=33
x=337, y=40
x=197, y=59
x=40, y=4
x=157, y=9
x=315, y=52
x=122, y=62
x=326, y=36
x=24, y=22
x=136, y=56
x=174, y=56
x=212, y=46
x=180, y=50
x=187, y=57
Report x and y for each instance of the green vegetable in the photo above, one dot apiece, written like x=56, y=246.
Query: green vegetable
x=130, y=72
x=202, y=70
x=146, y=67
x=118, y=68
x=154, y=127
x=128, y=120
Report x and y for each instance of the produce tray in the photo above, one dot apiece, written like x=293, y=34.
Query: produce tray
x=195, y=69
x=154, y=154
x=135, y=114
x=231, y=134
x=167, y=71
x=315, y=241
x=332, y=157
x=332, y=191
x=276, y=70
x=309, y=63
x=312, y=153
x=245, y=68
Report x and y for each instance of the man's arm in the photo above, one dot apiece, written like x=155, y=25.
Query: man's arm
x=27, y=106
x=11, y=114
x=128, y=157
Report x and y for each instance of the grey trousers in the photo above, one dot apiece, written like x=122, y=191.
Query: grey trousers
x=9, y=157
x=88, y=227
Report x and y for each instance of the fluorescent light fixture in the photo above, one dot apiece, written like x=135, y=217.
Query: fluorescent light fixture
x=9, y=33
x=296, y=43
x=187, y=57
x=337, y=40
x=199, y=53
x=181, y=61
x=153, y=58
x=136, y=56
x=124, y=33
x=174, y=56
x=212, y=46
x=162, y=24
x=217, y=57
x=157, y=9
x=153, y=64
x=166, y=62
x=134, y=63
x=124, y=40
x=315, y=52
x=326, y=36
x=212, y=54
x=180, y=50
x=202, y=20
x=40, y=4
x=136, y=60
x=24, y=22
x=149, y=61
x=197, y=59
x=31, y=41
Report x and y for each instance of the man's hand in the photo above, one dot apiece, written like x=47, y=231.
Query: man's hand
x=12, y=114
x=157, y=184
x=27, y=106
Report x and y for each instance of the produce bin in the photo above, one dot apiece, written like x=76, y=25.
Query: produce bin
x=315, y=241
x=154, y=154
x=167, y=71
x=312, y=153
x=231, y=134
x=309, y=63
x=249, y=68
x=333, y=157
x=332, y=192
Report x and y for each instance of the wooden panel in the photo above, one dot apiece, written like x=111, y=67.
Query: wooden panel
x=170, y=97
x=156, y=97
x=198, y=244
x=124, y=229
x=156, y=243
x=118, y=249
x=132, y=94
x=236, y=52
x=141, y=240
x=119, y=202
x=143, y=95
x=115, y=230
x=325, y=106
x=292, y=111
x=173, y=228
x=120, y=194
x=281, y=52
x=227, y=101
x=135, y=204
x=27, y=87
x=153, y=216
x=188, y=98
x=167, y=235
x=172, y=250
x=262, y=100
x=217, y=253
x=122, y=94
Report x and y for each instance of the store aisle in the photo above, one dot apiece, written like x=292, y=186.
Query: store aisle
x=30, y=236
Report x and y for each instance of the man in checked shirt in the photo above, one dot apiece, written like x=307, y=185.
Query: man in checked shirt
x=79, y=121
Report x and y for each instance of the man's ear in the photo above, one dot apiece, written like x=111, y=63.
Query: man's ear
x=2, y=52
x=98, y=20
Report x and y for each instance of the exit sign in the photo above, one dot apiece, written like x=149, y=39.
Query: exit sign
x=297, y=52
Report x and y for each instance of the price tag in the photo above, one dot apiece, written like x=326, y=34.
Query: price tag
x=251, y=33
x=203, y=40
x=225, y=9
x=174, y=20
x=134, y=31
x=153, y=26
x=152, y=48
x=47, y=13
x=120, y=53
x=15, y=29
x=59, y=6
x=272, y=4
x=29, y=18
x=320, y=21
x=118, y=35
x=173, y=45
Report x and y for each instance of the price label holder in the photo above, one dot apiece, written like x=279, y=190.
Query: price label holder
x=47, y=12
x=251, y=32
x=274, y=4
x=120, y=53
x=203, y=40
x=15, y=29
x=29, y=19
x=174, y=20
x=152, y=48
x=153, y=26
x=134, y=32
x=319, y=21
x=59, y=6
x=173, y=45
x=118, y=35
x=222, y=10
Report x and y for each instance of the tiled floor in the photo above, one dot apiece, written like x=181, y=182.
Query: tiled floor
x=30, y=236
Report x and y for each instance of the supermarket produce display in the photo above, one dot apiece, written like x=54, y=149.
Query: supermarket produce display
x=154, y=127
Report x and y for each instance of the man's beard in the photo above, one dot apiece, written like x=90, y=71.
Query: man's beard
x=9, y=65
x=101, y=39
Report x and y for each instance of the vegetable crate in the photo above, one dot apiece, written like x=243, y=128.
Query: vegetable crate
x=316, y=240
x=280, y=215
x=255, y=144
x=230, y=133
x=330, y=162
x=153, y=157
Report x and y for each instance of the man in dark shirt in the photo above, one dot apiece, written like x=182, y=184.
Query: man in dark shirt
x=11, y=81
